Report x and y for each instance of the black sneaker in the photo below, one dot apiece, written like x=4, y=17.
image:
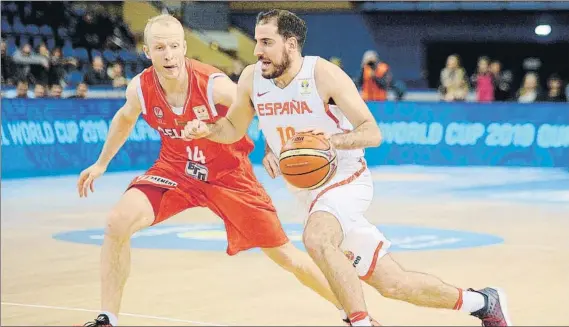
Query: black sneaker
x=102, y=320
x=495, y=310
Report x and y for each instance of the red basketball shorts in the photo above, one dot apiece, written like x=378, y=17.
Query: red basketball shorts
x=238, y=198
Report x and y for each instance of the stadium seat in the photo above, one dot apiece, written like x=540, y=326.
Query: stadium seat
x=109, y=55
x=46, y=30
x=74, y=77
x=32, y=30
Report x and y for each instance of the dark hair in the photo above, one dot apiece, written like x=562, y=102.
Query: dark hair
x=288, y=24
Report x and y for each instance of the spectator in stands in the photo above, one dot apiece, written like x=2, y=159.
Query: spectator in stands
x=530, y=90
x=80, y=91
x=55, y=91
x=116, y=74
x=96, y=75
x=454, y=85
x=22, y=89
x=39, y=91
x=483, y=81
x=555, y=89
x=502, y=82
x=8, y=69
x=59, y=66
x=88, y=33
x=375, y=77
x=27, y=63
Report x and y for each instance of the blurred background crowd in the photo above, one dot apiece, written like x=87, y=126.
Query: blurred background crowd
x=92, y=49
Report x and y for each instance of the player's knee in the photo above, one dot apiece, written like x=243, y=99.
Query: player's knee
x=120, y=224
x=317, y=244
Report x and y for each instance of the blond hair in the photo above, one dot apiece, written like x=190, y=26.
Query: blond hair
x=163, y=19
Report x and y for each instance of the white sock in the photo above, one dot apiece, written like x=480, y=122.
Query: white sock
x=112, y=318
x=343, y=314
x=472, y=301
x=363, y=322
x=360, y=318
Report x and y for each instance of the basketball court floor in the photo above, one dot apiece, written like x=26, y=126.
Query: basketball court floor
x=472, y=227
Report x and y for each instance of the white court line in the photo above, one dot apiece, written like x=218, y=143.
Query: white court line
x=122, y=314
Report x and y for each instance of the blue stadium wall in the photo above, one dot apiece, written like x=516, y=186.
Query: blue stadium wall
x=57, y=137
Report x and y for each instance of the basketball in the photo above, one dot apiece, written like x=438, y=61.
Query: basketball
x=307, y=161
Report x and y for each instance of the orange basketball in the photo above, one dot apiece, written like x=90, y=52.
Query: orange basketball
x=307, y=161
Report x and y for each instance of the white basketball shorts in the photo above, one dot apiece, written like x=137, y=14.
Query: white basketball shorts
x=348, y=196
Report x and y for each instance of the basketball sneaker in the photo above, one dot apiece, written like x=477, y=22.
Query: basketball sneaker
x=101, y=320
x=495, y=311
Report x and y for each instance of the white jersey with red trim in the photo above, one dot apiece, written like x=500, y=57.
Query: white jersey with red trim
x=298, y=106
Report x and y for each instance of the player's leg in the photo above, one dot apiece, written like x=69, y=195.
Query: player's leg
x=251, y=221
x=322, y=238
x=138, y=208
x=395, y=282
x=297, y=262
x=132, y=213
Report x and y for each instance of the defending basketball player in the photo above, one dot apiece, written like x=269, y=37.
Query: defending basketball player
x=187, y=174
x=291, y=93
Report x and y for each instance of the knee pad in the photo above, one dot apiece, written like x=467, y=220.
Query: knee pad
x=364, y=246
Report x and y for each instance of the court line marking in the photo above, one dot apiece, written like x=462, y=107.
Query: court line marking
x=122, y=313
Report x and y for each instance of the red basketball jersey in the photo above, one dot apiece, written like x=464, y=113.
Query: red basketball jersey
x=200, y=159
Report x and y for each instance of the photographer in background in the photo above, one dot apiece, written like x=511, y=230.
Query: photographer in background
x=375, y=78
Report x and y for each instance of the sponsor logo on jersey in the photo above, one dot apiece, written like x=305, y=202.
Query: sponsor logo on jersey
x=158, y=112
x=293, y=107
x=153, y=179
x=201, y=112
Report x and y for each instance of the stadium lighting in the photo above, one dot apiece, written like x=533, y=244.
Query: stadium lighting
x=542, y=30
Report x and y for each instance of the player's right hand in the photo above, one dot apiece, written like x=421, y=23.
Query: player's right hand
x=195, y=129
x=87, y=177
x=271, y=164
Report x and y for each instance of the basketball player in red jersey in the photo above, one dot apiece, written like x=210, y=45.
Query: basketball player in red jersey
x=187, y=174
x=336, y=235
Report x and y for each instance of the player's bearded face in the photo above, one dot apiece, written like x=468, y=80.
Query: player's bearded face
x=274, y=68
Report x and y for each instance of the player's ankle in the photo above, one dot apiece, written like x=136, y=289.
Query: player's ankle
x=469, y=301
x=113, y=319
x=360, y=318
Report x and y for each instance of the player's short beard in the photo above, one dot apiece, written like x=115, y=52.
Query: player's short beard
x=279, y=69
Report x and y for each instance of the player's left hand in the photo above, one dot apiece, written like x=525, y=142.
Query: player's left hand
x=315, y=131
x=195, y=129
x=271, y=164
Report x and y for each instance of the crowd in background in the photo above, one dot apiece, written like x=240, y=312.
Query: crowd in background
x=491, y=83
x=85, y=45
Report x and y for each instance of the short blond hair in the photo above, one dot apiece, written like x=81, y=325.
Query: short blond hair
x=164, y=19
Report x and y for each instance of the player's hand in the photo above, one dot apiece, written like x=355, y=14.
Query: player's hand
x=87, y=177
x=271, y=164
x=196, y=129
x=315, y=131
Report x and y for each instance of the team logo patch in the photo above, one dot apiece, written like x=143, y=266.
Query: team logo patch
x=158, y=112
x=201, y=112
x=305, y=88
x=349, y=255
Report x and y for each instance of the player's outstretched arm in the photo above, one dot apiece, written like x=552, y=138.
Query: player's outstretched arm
x=122, y=124
x=234, y=125
x=334, y=83
x=121, y=127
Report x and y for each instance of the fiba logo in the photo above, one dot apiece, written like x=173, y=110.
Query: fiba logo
x=158, y=112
